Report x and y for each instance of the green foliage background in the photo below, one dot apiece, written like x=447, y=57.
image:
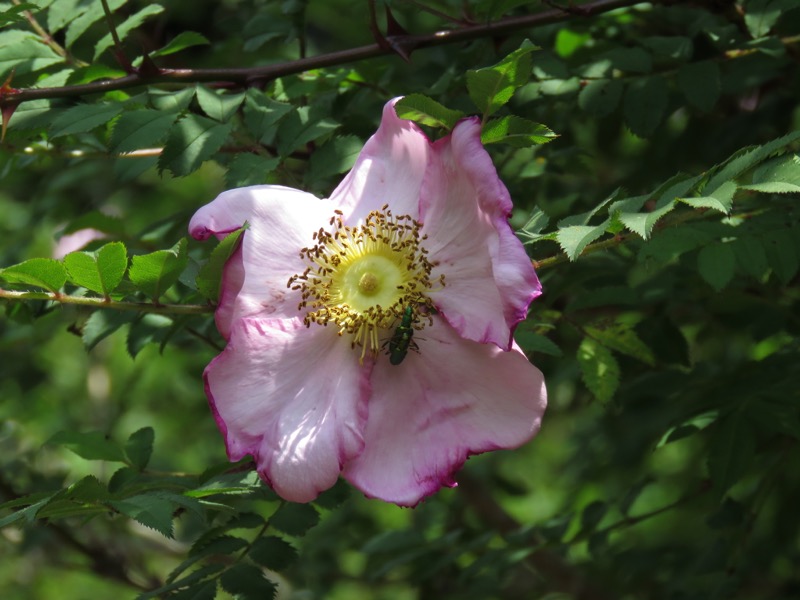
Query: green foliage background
x=650, y=150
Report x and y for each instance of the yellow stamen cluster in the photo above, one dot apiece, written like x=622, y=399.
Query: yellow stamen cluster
x=361, y=278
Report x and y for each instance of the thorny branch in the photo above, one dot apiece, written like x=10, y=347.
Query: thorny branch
x=257, y=76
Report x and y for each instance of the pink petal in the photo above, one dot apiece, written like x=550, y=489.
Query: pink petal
x=513, y=271
x=77, y=240
x=281, y=221
x=428, y=414
x=294, y=398
x=389, y=170
x=489, y=280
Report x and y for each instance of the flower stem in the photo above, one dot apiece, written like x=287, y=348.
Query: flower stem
x=93, y=302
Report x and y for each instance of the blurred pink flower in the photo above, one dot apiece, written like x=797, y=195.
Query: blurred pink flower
x=320, y=291
x=77, y=240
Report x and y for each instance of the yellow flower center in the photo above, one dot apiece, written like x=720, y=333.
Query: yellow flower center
x=361, y=278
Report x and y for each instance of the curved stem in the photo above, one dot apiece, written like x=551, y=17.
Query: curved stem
x=247, y=76
x=93, y=302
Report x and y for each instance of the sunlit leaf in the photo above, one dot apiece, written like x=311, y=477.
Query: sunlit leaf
x=39, y=272
x=599, y=369
x=426, y=111
x=99, y=271
x=191, y=141
x=155, y=273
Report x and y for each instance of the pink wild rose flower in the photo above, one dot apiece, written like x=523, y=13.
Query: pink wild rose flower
x=369, y=335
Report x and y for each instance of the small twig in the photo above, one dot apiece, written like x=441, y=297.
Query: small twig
x=92, y=302
x=119, y=51
x=259, y=75
x=617, y=240
x=631, y=521
x=47, y=38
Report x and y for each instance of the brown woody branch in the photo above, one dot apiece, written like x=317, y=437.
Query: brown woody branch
x=256, y=76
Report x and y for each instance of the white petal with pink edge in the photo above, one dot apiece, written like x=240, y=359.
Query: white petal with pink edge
x=281, y=221
x=294, y=398
x=453, y=399
x=389, y=170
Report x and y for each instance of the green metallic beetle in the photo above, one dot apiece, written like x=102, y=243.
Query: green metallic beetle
x=402, y=340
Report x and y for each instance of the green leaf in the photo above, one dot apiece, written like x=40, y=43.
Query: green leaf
x=746, y=159
x=191, y=141
x=139, y=129
x=773, y=187
x=300, y=127
x=516, y=131
x=126, y=27
x=669, y=48
x=139, y=447
x=102, y=323
x=575, y=238
x=721, y=199
x=261, y=115
x=185, y=39
x=760, y=16
x=155, y=273
x=150, y=510
x=669, y=244
x=209, y=278
x=45, y=273
x=294, y=519
x=83, y=118
x=426, y=111
x=644, y=104
x=93, y=73
x=630, y=60
x=700, y=84
x=533, y=342
x=642, y=223
x=12, y=14
x=87, y=489
x=336, y=156
x=28, y=514
x=731, y=450
x=171, y=101
x=782, y=254
x=224, y=545
x=247, y=583
x=621, y=337
x=751, y=256
x=777, y=176
x=99, y=271
x=22, y=52
x=61, y=12
x=191, y=579
x=492, y=87
x=93, y=445
x=599, y=369
x=600, y=97
x=272, y=553
x=218, y=106
x=592, y=515
x=92, y=14
x=716, y=264
x=250, y=169
x=149, y=329
x=237, y=483
x=219, y=546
